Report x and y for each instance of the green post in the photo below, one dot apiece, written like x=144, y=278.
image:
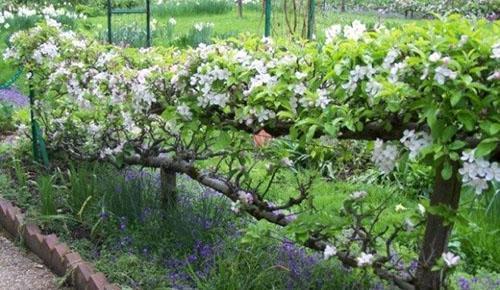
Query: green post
x=310, y=19
x=267, y=29
x=148, y=23
x=110, y=34
x=39, y=149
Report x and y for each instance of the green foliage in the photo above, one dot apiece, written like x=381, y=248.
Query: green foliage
x=6, y=117
x=48, y=200
x=192, y=7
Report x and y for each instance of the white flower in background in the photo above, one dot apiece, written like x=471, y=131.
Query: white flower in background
x=399, y=207
x=53, y=23
x=477, y=172
x=154, y=22
x=395, y=71
x=463, y=40
x=421, y=209
x=300, y=89
x=384, y=156
x=356, y=31
x=172, y=21
x=425, y=73
x=47, y=49
x=495, y=51
x=364, y=259
x=494, y=76
x=185, y=112
x=408, y=225
x=391, y=57
x=358, y=195
x=6, y=26
x=435, y=57
x=373, y=88
x=236, y=206
x=329, y=251
x=245, y=197
x=287, y=162
x=300, y=75
x=450, y=259
x=415, y=141
x=332, y=32
x=322, y=101
x=443, y=73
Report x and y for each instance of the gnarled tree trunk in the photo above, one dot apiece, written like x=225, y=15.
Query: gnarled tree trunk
x=447, y=193
x=168, y=188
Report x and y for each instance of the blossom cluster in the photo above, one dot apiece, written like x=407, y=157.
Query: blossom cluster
x=415, y=141
x=43, y=11
x=354, y=32
x=384, y=156
x=477, y=172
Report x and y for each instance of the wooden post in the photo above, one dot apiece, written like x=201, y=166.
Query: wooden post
x=447, y=193
x=168, y=188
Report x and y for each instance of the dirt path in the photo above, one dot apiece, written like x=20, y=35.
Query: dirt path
x=20, y=270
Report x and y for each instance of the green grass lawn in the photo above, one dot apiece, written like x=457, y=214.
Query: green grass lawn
x=251, y=22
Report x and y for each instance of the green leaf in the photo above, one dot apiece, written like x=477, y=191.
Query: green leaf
x=447, y=170
x=490, y=128
x=486, y=146
x=467, y=119
x=457, y=144
x=455, y=99
x=311, y=132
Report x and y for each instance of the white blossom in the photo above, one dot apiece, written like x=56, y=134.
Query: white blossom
x=332, y=32
x=358, y=195
x=442, y=73
x=236, y=206
x=384, y=156
x=415, y=142
x=185, y=112
x=421, y=209
x=364, y=259
x=355, y=31
x=435, y=57
x=477, y=172
x=450, y=259
x=329, y=251
x=495, y=51
x=287, y=162
x=399, y=207
x=322, y=101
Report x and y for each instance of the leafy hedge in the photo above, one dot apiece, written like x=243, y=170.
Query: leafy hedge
x=434, y=88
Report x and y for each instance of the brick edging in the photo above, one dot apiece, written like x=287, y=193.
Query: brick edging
x=55, y=254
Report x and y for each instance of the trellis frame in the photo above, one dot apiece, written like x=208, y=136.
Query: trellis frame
x=146, y=10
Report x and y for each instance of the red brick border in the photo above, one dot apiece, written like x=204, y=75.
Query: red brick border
x=56, y=255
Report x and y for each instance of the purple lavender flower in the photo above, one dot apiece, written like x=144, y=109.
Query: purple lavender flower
x=123, y=224
x=14, y=97
x=104, y=215
x=463, y=283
